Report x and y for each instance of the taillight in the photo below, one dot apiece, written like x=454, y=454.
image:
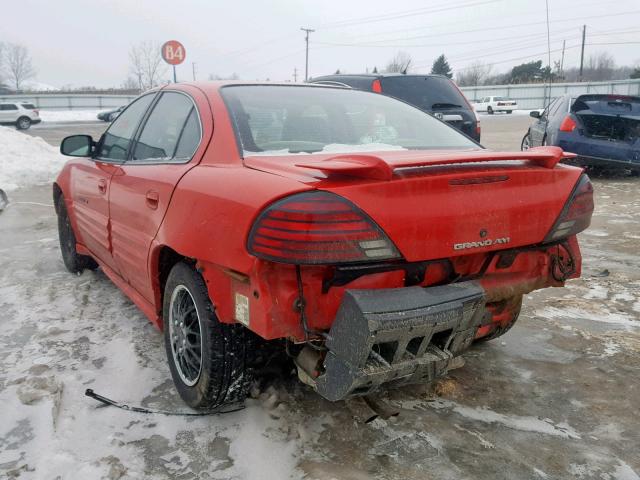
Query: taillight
x=318, y=228
x=568, y=124
x=576, y=214
x=376, y=86
x=37, y=112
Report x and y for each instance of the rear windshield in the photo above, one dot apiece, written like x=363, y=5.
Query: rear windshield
x=500, y=99
x=29, y=106
x=282, y=120
x=427, y=93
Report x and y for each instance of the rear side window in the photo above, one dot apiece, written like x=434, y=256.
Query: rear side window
x=29, y=106
x=8, y=106
x=172, y=131
x=426, y=93
x=116, y=141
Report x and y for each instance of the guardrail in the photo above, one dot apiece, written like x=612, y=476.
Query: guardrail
x=73, y=101
x=532, y=96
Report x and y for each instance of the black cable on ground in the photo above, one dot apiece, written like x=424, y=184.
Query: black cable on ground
x=112, y=403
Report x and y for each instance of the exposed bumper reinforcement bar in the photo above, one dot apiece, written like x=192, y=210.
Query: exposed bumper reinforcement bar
x=399, y=336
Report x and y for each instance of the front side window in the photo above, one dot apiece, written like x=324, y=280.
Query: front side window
x=116, y=141
x=8, y=106
x=280, y=120
x=171, y=133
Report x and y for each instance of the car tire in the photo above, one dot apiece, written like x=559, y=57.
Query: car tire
x=509, y=111
x=490, y=110
x=23, y=123
x=526, y=142
x=221, y=374
x=73, y=261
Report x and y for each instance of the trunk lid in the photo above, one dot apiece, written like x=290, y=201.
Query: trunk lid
x=443, y=204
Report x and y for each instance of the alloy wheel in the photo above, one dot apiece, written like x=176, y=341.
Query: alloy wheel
x=185, y=335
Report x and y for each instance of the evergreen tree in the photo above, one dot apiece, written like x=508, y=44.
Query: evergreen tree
x=375, y=70
x=441, y=67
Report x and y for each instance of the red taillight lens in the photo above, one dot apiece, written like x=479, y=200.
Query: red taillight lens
x=318, y=228
x=568, y=124
x=376, y=86
x=576, y=215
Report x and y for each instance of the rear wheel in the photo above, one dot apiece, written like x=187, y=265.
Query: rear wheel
x=526, y=142
x=490, y=110
x=74, y=262
x=209, y=360
x=23, y=123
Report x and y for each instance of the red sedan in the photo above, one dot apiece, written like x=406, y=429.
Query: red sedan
x=375, y=241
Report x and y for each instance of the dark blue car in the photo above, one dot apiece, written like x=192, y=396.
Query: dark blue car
x=603, y=130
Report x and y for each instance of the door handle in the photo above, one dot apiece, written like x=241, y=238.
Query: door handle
x=152, y=199
x=102, y=185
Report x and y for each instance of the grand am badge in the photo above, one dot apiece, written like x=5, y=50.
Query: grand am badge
x=482, y=243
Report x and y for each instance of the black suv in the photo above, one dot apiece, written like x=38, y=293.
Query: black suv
x=435, y=94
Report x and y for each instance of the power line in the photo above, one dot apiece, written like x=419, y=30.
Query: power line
x=403, y=14
x=501, y=27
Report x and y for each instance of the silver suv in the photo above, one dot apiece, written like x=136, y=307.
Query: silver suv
x=20, y=114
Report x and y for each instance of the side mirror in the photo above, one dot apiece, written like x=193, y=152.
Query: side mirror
x=534, y=114
x=77, y=146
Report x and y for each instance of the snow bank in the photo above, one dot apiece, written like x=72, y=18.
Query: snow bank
x=69, y=115
x=26, y=160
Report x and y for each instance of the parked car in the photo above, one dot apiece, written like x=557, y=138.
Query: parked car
x=603, y=130
x=496, y=104
x=371, y=239
x=110, y=115
x=434, y=94
x=20, y=114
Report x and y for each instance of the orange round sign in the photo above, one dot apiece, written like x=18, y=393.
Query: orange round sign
x=173, y=52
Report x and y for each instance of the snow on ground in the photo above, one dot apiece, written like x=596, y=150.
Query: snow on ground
x=26, y=160
x=69, y=115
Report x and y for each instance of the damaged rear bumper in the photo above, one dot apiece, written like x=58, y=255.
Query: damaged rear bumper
x=398, y=336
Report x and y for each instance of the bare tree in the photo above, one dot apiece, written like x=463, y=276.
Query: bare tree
x=400, y=63
x=19, y=65
x=146, y=64
x=600, y=66
x=475, y=74
x=131, y=83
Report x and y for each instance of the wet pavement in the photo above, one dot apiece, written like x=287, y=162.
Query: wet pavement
x=556, y=397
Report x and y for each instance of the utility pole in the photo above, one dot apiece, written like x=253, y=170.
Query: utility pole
x=306, y=61
x=295, y=74
x=193, y=70
x=584, y=31
x=562, y=60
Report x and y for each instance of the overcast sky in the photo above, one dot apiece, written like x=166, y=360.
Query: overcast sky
x=86, y=42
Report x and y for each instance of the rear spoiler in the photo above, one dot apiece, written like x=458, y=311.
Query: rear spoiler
x=374, y=167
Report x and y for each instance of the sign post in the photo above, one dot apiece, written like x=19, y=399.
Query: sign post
x=173, y=53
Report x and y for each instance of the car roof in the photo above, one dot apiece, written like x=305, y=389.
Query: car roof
x=379, y=75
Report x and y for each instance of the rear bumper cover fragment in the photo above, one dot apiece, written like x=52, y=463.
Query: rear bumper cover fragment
x=399, y=336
